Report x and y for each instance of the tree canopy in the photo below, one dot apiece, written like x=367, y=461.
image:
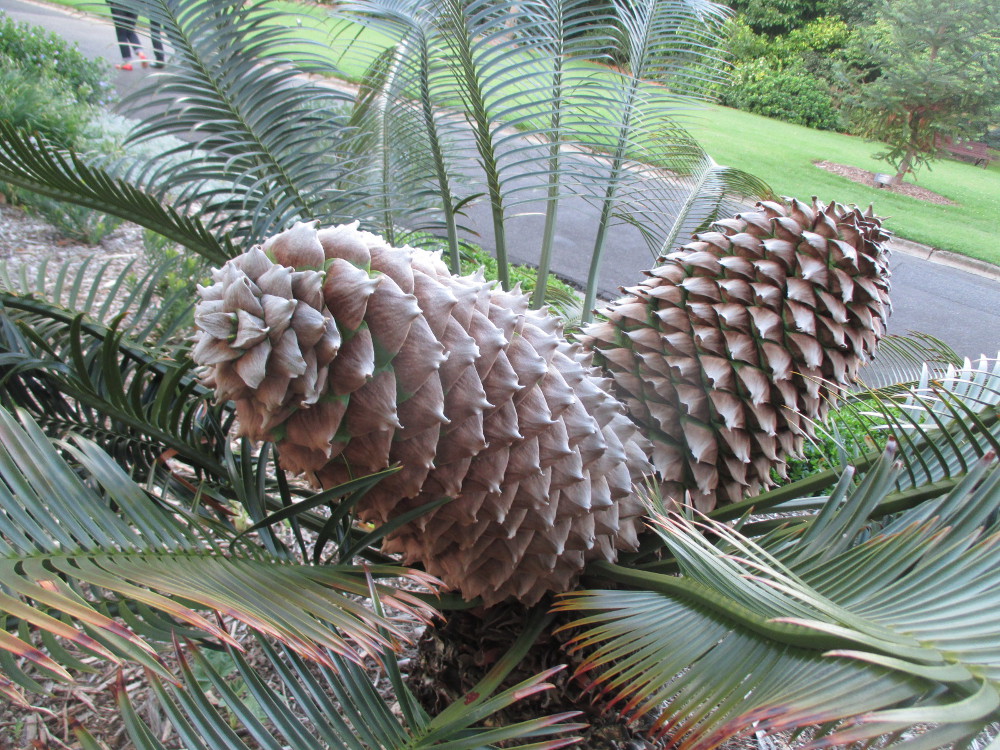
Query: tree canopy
x=940, y=75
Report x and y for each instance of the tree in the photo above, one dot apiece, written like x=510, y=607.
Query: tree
x=119, y=473
x=940, y=72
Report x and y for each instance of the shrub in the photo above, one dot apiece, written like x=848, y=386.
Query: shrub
x=46, y=106
x=35, y=49
x=107, y=134
x=828, y=49
x=774, y=16
x=798, y=77
x=824, y=34
x=790, y=94
x=474, y=258
x=992, y=137
x=41, y=104
x=76, y=222
x=745, y=44
x=49, y=87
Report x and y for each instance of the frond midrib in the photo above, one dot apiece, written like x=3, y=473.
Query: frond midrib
x=271, y=160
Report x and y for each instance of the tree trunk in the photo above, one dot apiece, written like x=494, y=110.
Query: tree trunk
x=914, y=117
x=904, y=167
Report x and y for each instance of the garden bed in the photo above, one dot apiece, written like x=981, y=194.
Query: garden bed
x=864, y=177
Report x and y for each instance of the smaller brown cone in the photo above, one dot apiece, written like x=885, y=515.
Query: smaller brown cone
x=732, y=347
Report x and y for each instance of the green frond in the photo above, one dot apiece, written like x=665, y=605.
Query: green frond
x=945, y=421
x=102, y=292
x=863, y=635
x=666, y=53
x=30, y=162
x=545, y=121
x=270, y=144
x=70, y=547
x=334, y=705
x=713, y=195
x=410, y=144
x=120, y=385
x=901, y=359
x=477, y=62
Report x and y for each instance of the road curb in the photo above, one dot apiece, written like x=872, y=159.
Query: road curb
x=71, y=11
x=945, y=258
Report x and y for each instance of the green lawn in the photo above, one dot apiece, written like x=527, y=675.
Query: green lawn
x=783, y=155
x=306, y=21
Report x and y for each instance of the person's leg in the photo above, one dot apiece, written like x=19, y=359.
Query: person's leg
x=156, y=37
x=133, y=38
x=119, y=16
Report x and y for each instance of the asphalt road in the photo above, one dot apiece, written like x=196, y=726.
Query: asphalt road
x=961, y=307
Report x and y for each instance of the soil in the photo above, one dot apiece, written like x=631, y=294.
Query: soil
x=864, y=177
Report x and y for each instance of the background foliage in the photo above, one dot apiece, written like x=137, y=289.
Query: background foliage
x=43, y=52
x=50, y=88
x=783, y=91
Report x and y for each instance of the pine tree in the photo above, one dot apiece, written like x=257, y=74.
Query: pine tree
x=940, y=66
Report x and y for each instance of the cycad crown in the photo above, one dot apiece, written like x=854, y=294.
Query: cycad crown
x=734, y=346
x=352, y=355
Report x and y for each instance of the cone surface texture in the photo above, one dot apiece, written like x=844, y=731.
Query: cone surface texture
x=732, y=347
x=353, y=356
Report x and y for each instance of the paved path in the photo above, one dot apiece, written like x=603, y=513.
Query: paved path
x=956, y=300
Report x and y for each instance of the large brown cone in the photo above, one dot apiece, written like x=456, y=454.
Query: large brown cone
x=372, y=355
x=732, y=347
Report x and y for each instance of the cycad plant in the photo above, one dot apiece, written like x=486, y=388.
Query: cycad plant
x=454, y=430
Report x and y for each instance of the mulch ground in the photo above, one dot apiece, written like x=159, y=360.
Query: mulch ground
x=864, y=177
